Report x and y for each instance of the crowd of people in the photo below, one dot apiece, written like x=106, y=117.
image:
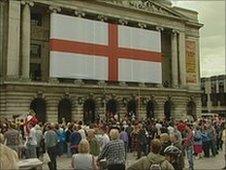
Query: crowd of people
x=105, y=145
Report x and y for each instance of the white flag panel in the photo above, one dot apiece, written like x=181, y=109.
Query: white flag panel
x=78, y=29
x=136, y=38
x=139, y=71
x=68, y=65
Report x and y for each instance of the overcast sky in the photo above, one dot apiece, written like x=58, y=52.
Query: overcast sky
x=212, y=44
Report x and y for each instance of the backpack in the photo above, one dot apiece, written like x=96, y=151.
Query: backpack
x=155, y=167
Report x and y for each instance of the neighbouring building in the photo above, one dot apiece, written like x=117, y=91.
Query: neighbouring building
x=214, y=95
x=83, y=59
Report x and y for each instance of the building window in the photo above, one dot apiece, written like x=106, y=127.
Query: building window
x=36, y=19
x=35, y=51
x=35, y=71
x=204, y=99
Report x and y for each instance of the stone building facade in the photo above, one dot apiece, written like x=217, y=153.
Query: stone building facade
x=214, y=95
x=24, y=62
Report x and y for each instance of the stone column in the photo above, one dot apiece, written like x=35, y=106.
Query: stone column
x=174, y=61
x=26, y=39
x=208, y=91
x=13, y=43
x=182, y=61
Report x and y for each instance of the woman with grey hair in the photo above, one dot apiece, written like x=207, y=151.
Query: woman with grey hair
x=83, y=160
x=114, y=152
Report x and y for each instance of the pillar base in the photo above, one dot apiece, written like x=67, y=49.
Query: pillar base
x=25, y=79
x=53, y=80
x=12, y=78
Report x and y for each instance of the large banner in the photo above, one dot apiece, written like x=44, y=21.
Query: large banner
x=88, y=49
x=191, y=62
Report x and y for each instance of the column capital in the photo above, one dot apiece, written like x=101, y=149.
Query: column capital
x=174, y=32
x=79, y=13
x=159, y=28
x=54, y=9
x=102, y=17
x=27, y=2
x=142, y=25
x=123, y=21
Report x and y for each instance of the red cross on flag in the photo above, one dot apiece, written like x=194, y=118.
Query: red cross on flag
x=87, y=49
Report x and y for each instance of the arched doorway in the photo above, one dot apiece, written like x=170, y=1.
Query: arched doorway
x=89, y=110
x=111, y=107
x=150, y=109
x=191, y=109
x=132, y=108
x=168, y=110
x=64, y=110
x=39, y=107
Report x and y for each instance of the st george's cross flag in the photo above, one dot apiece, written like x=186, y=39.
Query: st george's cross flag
x=87, y=49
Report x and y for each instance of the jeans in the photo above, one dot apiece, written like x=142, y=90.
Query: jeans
x=52, y=152
x=189, y=152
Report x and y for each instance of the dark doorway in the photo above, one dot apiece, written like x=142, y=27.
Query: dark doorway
x=111, y=107
x=191, y=109
x=168, y=109
x=64, y=110
x=150, y=109
x=89, y=110
x=132, y=108
x=39, y=107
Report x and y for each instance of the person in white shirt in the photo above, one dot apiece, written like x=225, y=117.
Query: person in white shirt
x=82, y=132
x=31, y=143
x=104, y=138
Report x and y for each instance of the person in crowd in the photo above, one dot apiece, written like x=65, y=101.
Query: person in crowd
x=75, y=138
x=12, y=137
x=124, y=137
x=114, y=152
x=8, y=157
x=81, y=130
x=165, y=140
x=153, y=160
x=212, y=135
x=205, y=142
x=175, y=141
x=104, y=138
x=142, y=141
x=173, y=155
x=31, y=142
x=188, y=142
x=61, y=139
x=51, y=146
x=68, y=133
x=198, y=142
x=129, y=130
x=135, y=140
x=94, y=144
x=83, y=160
x=39, y=137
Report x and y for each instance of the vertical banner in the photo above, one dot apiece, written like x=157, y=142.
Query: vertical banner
x=191, y=72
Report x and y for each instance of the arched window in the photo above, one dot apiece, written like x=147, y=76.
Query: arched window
x=132, y=107
x=89, y=110
x=64, y=110
x=111, y=107
x=39, y=107
x=168, y=109
x=150, y=109
x=191, y=109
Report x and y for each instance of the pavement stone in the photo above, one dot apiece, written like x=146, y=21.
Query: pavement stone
x=212, y=163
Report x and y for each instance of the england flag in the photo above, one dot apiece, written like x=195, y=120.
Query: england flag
x=87, y=49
